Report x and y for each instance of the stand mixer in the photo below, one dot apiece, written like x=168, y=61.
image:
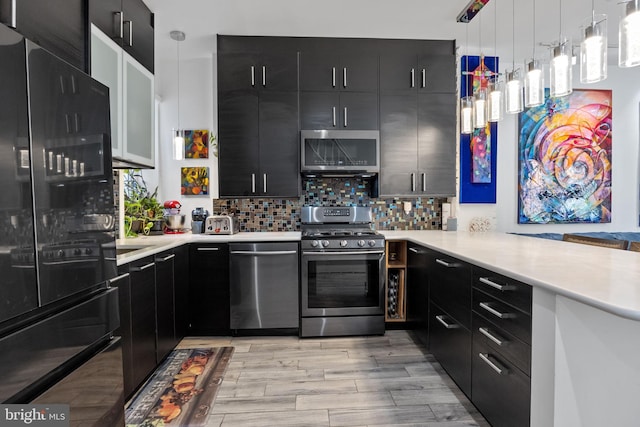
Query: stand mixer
x=173, y=219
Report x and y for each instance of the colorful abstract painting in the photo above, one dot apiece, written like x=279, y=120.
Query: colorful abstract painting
x=471, y=10
x=565, y=160
x=196, y=144
x=194, y=181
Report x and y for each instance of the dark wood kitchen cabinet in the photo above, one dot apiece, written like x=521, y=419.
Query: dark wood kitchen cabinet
x=123, y=283
x=419, y=262
x=209, y=298
x=165, y=303
x=129, y=23
x=57, y=25
x=181, y=290
x=418, y=118
x=258, y=118
x=326, y=110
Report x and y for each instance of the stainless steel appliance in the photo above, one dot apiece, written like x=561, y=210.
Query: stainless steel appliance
x=57, y=310
x=222, y=224
x=340, y=152
x=173, y=220
x=198, y=217
x=264, y=285
x=342, y=273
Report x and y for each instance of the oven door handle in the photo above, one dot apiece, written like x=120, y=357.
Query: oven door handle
x=344, y=253
x=260, y=253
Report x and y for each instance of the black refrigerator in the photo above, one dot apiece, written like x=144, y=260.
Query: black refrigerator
x=57, y=245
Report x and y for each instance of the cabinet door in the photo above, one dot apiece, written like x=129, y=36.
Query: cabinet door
x=56, y=25
x=165, y=300
x=325, y=70
x=181, y=290
x=238, y=132
x=138, y=32
x=399, y=72
x=418, y=285
x=143, y=319
x=437, y=143
x=238, y=71
x=279, y=141
x=209, y=289
x=451, y=287
x=105, y=14
x=319, y=70
x=138, y=113
x=278, y=72
x=398, y=144
x=123, y=283
x=437, y=73
x=358, y=111
x=319, y=110
x=359, y=72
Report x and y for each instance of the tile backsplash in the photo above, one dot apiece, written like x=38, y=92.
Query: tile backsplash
x=284, y=214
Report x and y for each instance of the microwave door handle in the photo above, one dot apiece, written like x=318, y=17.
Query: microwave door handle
x=345, y=117
x=333, y=109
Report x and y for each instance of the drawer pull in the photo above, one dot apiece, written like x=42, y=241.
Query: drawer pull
x=498, y=286
x=445, y=263
x=445, y=324
x=118, y=278
x=208, y=249
x=414, y=250
x=486, y=333
x=495, y=312
x=167, y=258
x=143, y=267
x=501, y=370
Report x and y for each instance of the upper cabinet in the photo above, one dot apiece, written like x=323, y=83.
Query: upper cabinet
x=56, y=25
x=129, y=23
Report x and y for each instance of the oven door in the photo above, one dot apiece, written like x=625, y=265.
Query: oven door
x=342, y=283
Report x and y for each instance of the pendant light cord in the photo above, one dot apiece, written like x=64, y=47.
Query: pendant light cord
x=533, y=57
x=178, y=50
x=560, y=26
x=466, y=74
x=513, y=35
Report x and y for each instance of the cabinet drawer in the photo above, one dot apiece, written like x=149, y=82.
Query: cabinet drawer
x=502, y=342
x=451, y=288
x=450, y=343
x=503, y=288
x=504, y=316
x=500, y=390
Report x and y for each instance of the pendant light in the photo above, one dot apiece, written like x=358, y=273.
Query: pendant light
x=593, y=49
x=495, y=106
x=629, y=34
x=534, y=78
x=560, y=66
x=513, y=102
x=178, y=134
x=466, y=102
x=480, y=95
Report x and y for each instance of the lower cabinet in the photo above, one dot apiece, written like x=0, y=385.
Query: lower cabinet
x=165, y=303
x=181, y=290
x=123, y=283
x=209, y=298
x=418, y=263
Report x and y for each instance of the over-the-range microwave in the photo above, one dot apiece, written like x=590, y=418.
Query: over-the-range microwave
x=340, y=152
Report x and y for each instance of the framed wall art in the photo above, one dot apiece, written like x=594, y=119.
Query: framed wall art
x=196, y=144
x=194, y=181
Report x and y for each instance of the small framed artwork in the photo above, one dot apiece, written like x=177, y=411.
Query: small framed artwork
x=194, y=181
x=196, y=144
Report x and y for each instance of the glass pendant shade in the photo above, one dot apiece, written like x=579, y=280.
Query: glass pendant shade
x=593, y=50
x=466, y=115
x=629, y=35
x=480, y=108
x=560, y=70
x=513, y=102
x=495, y=102
x=178, y=144
x=533, y=84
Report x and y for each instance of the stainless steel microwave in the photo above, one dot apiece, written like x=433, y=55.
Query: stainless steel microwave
x=340, y=152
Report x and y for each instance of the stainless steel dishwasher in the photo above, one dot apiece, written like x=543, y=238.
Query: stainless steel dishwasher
x=264, y=285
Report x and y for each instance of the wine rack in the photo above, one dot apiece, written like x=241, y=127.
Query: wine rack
x=395, y=292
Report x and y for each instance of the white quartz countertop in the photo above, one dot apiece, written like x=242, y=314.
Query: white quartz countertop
x=605, y=278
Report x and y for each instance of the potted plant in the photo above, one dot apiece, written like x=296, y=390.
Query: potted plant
x=142, y=211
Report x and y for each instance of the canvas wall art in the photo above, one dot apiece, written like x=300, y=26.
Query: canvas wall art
x=194, y=181
x=564, y=166
x=196, y=144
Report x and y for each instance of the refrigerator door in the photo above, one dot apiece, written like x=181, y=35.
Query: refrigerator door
x=72, y=177
x=18, y=286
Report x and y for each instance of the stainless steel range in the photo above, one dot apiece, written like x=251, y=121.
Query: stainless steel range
x=342, y=273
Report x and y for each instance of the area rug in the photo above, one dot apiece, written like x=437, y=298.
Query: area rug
x=181, y=392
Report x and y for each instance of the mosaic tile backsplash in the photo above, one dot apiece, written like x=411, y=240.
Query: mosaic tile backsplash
x=284, y=214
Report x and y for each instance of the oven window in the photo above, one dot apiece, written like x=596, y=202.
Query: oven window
x=339, y=284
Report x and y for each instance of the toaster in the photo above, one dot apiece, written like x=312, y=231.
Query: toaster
x=221, y=224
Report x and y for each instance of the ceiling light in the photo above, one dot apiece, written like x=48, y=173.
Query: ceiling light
x=593, y=49
x=513, y=103
x=480, y=108
x=466, y=115
x=561, y=66
x=495, y=104
x=534, y=78
x=178, y=134
x=629, y=34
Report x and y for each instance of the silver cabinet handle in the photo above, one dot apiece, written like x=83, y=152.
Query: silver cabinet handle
x=424, y=182
x=263, y=253
x=208, y=249
x=13, y=18
x=414, y=250
x=253, y=182
x=413, y=77
x=445, y=263
x=264, y=76
x=424, y=77
x=333, y=77
x=167, y=258
x=345, y=117
x=445, y=324
x=413, y=182
x=493, y=284
x=333, y=109
x=486, y=333
x=143, y=267
x=330, y=253
x=76, y=120
x=495, y=366
x=118, y=278
x=129, y=25
x=264, y=182
x=486, y=306
x=253, y=76
x=118, y=24
x=344, y=77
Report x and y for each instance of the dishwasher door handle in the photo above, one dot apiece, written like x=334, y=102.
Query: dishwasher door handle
x=261, y=253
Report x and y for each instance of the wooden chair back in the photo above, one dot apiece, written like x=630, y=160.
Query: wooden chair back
x=596, y=241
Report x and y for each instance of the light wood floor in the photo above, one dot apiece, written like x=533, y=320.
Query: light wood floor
x=388, y=380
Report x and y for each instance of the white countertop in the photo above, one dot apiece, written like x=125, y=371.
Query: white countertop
x=605, y=278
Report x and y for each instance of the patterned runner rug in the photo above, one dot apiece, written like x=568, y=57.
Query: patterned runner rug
x=181, y=392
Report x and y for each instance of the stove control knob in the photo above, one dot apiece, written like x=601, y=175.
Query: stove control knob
x=77, y=251
x=315, y=244
x=372, y=243
x=88, y=251
x=343, y=243
x=325, y=243
x=361, y=243
x=60, y=253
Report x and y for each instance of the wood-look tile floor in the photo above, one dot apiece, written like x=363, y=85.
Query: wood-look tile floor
x=388, y=380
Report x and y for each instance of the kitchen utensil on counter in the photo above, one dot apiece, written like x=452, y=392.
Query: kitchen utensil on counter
x=198, y=217
x=222, y=224
x=173, y=219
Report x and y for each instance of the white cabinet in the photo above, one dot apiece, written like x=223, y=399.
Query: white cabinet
x=131, y=97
